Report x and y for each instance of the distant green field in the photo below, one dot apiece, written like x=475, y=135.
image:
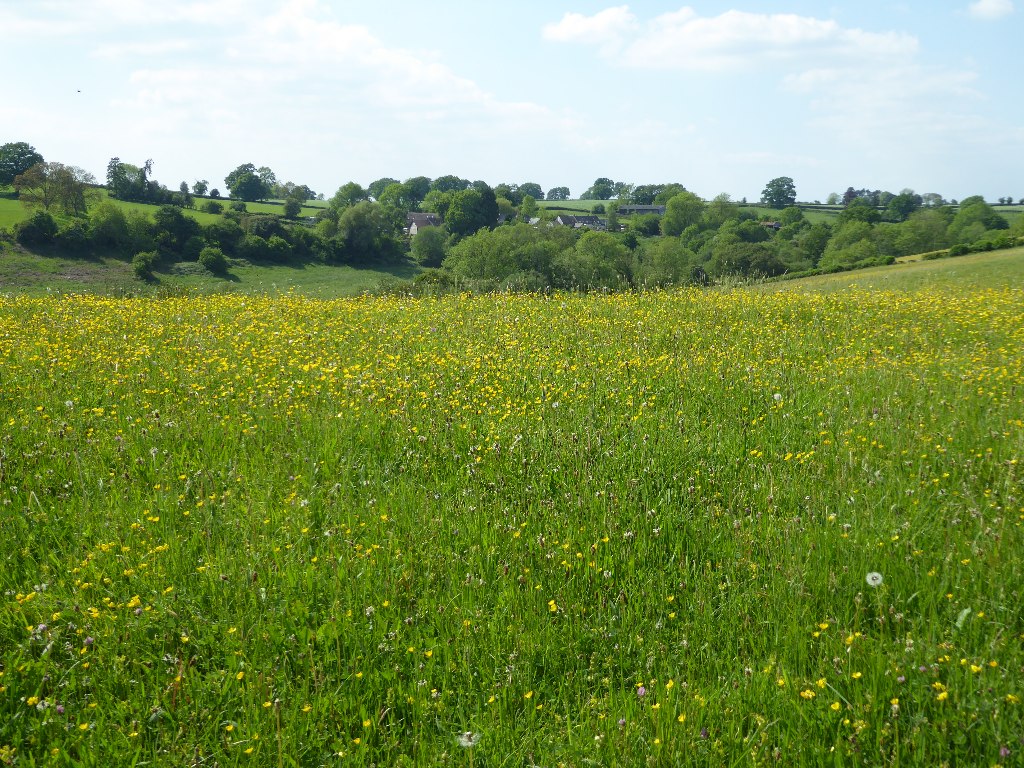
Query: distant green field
x=36, y=275
x=974, y=271
x=12, y=211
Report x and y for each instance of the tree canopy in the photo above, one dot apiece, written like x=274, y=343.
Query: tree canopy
x=249, y=183
x=779, y=192
x=16, y=158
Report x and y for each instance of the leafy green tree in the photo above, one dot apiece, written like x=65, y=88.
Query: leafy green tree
x=348, y=195
x=558, y=193
x=55, y=186
x=417, y=188
x=471, y=210
x=109, y=225
x=131, y=182
x=602, y=189
x=667, y=192
x=532, y=189
x=859, y=209
x=200, y=187
x=225, y=234
x=681, y=211
x=246, y=183
x=437, y=202
x=16, y=158
x=599, y=260
x=292, y=208
x=378, y=186
x=791, y=215
x=644, y=194
x=902, y=205
x=973, y=219
x=528, y=208
x=747, y=259
x=173, y=228
x=665, y=261
x=429, y=247
x=645, y=225
x=505, y=252
x=719, y=210
x=449, y=184
x=779, y=192
x=267, y=176
x=366, y=233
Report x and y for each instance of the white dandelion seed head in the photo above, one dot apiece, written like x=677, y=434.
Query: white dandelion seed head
x=469, y=739
x=874, y=579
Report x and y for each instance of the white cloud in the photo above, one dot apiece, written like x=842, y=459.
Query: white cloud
x=604, y=28
x=899, y=106
x=733, y=40
x=989, y=10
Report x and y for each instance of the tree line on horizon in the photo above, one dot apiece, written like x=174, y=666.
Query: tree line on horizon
x=488, y=237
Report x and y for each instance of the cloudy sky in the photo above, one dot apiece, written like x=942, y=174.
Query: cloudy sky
x=720, y=97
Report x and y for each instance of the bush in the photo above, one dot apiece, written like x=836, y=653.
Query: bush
x=73, y=236
x=238, y=206
x=142, y=264
x=39, y=229
x=214, y=260
x=211, y=206
x=959, y=249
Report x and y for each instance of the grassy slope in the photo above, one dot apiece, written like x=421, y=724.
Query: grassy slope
x=12, y=211
x=976, y=270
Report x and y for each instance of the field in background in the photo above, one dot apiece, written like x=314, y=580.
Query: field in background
x=739, y=527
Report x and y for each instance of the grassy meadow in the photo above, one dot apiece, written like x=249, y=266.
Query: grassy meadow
x=737, y=527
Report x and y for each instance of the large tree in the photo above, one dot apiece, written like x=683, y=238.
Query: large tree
x=532, y=189
x=246, y=182
x=449, y=184
x=602, y=189
x=680, y=212
x=54, y=186
x=558, y=193
x=378, y=186
x=471, y=210
x=16, y=158
x=131, y=182
x=779, y=192
x=347, y=195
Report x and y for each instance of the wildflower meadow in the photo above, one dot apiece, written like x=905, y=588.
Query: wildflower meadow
x=696, y=527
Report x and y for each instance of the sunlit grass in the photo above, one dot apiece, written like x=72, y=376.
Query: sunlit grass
x=611, y=530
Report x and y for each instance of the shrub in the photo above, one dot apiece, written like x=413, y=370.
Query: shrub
x=38, y=229
x=211, y=206
x=238, y=206
x=73, y=236
x=959, y=249
x=142, y=264
x=278, y=248
x=214, y=260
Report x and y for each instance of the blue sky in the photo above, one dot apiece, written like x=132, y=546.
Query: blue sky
x=720, y=97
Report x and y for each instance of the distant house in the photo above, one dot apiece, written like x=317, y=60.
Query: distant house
x=414, y=222
x=579, y=222
x=771, y=225
x=638, y=210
